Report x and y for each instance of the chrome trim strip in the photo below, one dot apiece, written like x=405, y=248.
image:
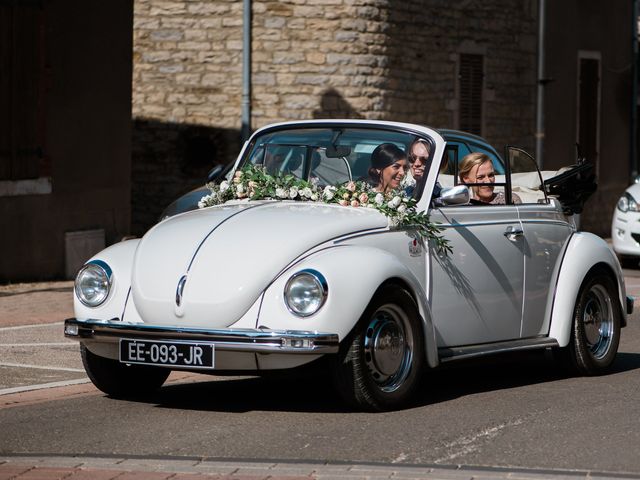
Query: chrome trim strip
x=448, y=354
x=464, y=224
x=545, y=222
x=237, y=340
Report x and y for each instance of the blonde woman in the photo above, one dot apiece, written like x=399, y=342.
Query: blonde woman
x=478, y=168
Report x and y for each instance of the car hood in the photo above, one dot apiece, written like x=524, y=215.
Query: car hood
x=227, y=255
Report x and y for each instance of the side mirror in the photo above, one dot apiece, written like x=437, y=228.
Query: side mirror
x=214, y=173
x=458, y=195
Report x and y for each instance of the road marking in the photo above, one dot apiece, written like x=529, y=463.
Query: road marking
x=28, y=388
x=36, y=325
x=470, y=443
x=41, y=367
x=70, y=343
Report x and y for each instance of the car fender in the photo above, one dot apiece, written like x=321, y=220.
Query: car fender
x=353, y=274
x=584, y=251
x=119, y=257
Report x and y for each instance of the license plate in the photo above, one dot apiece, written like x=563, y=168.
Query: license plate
x=168, y=354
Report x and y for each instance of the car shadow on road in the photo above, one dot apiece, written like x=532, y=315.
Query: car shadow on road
x=505, y=371
x=312, y=391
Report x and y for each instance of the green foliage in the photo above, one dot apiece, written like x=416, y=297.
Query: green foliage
x=253, y=183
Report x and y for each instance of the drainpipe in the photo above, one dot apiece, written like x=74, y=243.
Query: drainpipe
x=541, y=83
x=246, y=70
x=633, y=150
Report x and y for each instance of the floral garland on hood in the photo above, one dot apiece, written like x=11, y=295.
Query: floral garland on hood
x=253, y=183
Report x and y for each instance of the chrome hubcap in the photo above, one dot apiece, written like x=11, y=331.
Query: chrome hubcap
x=388, y=349
x=597, y=319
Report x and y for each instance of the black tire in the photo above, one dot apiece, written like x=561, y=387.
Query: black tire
x=368, y=375
x=595, y=333
x=121, y=380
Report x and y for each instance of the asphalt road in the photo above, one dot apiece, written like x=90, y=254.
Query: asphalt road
x=515, y=410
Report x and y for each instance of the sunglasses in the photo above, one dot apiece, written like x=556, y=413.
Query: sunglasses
x=415, y=158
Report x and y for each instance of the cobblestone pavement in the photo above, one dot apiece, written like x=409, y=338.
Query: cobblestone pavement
x=44, y=305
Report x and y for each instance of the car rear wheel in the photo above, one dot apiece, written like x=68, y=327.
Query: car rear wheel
x=595, y=333
x=119, y=379
x=380, y=363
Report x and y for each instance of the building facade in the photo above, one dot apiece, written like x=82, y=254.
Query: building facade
x=111, y=110
x=65, y=133
x=468, y=65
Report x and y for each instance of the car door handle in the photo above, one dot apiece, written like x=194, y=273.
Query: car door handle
x=513, y=232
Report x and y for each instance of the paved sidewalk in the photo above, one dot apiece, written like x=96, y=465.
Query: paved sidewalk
x=35, y=303
x=182, y=468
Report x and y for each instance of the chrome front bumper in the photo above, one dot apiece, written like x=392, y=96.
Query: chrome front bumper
x=238, y=340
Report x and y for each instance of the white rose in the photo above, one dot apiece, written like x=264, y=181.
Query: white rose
x=281, y=193
x=293, y=193
x=402, y=209
x=204, y=201
x=224, y=186
x=306, y=192
x=379, y=199
x=314, y=197
x=395, y=201
x=240, y=188
x=329, y=192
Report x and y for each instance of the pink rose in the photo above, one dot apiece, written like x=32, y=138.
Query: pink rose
x=351, y=186
x=364, y=198
x=355, y=203
x=344, y=203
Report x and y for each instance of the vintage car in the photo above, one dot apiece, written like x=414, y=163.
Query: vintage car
x=625, y=227
x=292, y=262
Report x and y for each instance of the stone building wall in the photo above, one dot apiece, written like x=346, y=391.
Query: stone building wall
x=374, y=59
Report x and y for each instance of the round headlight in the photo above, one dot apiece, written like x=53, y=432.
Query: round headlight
x=305, y=292
x=627, y=203
x=623, y=204
x=93, y=283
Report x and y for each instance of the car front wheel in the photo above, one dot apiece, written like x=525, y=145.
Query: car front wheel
x=381, y=361
x=595, y=333
x=119, y=379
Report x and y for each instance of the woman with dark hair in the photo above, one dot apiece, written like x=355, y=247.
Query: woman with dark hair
x=388, y=167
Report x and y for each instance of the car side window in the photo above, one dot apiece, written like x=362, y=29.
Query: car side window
x=482, y=171
x=526, y=180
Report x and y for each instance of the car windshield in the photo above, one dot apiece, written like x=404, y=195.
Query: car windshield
x=324, y=156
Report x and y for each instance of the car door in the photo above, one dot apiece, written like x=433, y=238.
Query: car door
x=545, y=234
x=476, y=291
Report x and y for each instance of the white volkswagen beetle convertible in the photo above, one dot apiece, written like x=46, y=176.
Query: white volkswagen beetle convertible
x=293, y=259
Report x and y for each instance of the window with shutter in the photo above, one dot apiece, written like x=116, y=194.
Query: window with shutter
x=470, y=78
x=21, y=90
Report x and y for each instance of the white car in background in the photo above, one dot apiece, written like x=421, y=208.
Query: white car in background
x=625, y=227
